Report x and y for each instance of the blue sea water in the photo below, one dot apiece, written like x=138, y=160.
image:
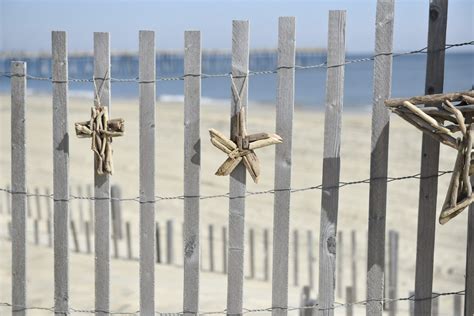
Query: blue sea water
x=407, y=80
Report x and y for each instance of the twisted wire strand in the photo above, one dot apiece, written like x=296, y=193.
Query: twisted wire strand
x=337, y=305
x=227, y=195
x=423, y=50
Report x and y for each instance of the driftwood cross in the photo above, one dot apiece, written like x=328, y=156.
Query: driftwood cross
x=101, y=130
x=441, y=119
x=242, y=145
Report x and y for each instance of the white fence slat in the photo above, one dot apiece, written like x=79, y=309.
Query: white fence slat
x=18, y=178
x=438, y=15
x=192, y=169
x=331, y=160
x=102, y=184
x=284, y=128
x=237, y=183
x=60, y=171
x=379, y=156
x=147, y=66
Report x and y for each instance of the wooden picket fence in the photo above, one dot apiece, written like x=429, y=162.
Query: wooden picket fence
x=192, y=157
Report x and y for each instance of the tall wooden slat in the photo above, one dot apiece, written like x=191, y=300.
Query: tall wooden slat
x=284, y=128
x=147, y=98
x=469, y=295
x=192, y=168
x=237, y=183
x=379, y=155
x=18, y=178
x=438, y=15
x=60, y=171
x=102, y=184
x=331, y=162
x=309, y=235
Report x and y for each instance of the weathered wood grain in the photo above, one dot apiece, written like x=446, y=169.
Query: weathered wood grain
x=60, y=170
x=192, y=169
x=438, y=15
x=102, y=184
x=18, y=180
x=147, y=96
x=237, y=181
x=283, y=161
x=379, y=156
x=331, y=161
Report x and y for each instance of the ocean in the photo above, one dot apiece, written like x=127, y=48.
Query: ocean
x=407, y=80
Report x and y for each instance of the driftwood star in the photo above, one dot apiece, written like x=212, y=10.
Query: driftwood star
x=441, y=119
x=242, y=148
x=101, y=130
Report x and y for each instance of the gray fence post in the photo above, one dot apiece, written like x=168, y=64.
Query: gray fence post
x=169, y=242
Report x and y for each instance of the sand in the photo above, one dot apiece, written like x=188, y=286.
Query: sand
x=404, y=159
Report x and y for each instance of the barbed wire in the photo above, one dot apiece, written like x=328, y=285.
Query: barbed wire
x=227, y=195
x=337, y=305
x=423, y=50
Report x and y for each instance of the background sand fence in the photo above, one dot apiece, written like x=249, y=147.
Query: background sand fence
x=98, y=223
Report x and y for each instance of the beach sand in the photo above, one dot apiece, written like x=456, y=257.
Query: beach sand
x=404, y=159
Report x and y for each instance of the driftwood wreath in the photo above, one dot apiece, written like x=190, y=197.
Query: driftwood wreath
x=241, y=146
x=452, y=125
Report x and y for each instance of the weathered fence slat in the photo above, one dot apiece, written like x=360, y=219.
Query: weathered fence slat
x=18, y=179
x=116, y=194
x=192, y=168
x=438, y=15
x=349, y=300
x=379, y=156
x=457, y=305
x=237, y=182
x=38, y=203
x=102, y=183
x=147, y=98
x=158, y=242
x=87, y=236
x=60, y=171
x=331, y=160
x=284, y=128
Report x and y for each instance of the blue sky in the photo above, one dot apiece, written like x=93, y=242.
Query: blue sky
x=26, y=24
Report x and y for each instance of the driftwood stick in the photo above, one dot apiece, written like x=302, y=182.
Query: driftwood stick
x=426, y=117
x=427, y=128
x=218, y=136
x=228, y=166
x=467, y=163
x=272, y=140
x=448, y=214
x=431, y=99
x=468, y=99
x=253, y=166
x=457, y=114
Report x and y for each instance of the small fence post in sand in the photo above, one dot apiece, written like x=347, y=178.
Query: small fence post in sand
x=129, y=240
x=310, y=258
x=88, y=236
x=295, y=257
x=211, y=247
x=158, y=239
x=169, y=242
x=252, y=252
x=36, y=231
x=266, y=255
x=354, y=264
x=224, y=250
x=393, y=272
x=74, y=236
x=349, y=301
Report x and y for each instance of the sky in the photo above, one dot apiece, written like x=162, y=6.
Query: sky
x=25, y=25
